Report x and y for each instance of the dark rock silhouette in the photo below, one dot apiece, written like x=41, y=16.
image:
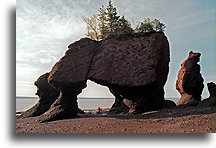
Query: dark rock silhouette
x=64, y=107
x=119, y=107
x=211, y=100
x=47, y=95
x=169, y=104
x=73, y=68
x=134, y=67
x=190, y=82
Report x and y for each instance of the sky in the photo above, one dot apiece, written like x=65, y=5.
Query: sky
x=44, y=29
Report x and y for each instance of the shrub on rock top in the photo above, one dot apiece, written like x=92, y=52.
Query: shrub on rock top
x=108, y=23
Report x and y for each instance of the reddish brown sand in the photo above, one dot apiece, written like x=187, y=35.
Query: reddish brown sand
x=167, y=121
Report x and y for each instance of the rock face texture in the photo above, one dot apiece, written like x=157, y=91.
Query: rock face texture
x=74, y=66
x=211, y=100
x=119, y=106
x=190, y=82
x=134, y=67
x=138, y=60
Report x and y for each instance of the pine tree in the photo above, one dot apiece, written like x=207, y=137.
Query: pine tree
x=112, y=18
x=103, y=28
x=124, y=26
x=107, y=23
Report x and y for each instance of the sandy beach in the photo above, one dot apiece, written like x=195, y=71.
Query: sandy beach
x=190, y=120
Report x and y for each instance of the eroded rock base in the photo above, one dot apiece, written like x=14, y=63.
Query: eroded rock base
x=64, y=107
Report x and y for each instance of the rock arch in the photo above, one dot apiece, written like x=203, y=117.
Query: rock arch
x=134, y=67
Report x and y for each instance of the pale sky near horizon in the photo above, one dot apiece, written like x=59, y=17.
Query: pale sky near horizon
x=44, y=29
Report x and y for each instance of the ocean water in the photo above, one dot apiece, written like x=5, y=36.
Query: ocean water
x=24, y=103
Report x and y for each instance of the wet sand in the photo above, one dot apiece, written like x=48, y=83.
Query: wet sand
x=190, y=120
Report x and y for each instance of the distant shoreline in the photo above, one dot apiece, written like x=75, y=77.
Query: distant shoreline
x=18, y=97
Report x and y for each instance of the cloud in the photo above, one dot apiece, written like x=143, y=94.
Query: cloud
x=45, y=61
x=45, y=28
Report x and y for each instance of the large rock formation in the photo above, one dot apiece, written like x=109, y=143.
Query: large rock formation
x=47, y=96
x=134, y=67
x=190, y=82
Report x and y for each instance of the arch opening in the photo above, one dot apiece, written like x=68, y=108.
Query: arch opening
x=94, y=96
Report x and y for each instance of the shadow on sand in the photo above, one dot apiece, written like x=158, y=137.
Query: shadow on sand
x=168, y=113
